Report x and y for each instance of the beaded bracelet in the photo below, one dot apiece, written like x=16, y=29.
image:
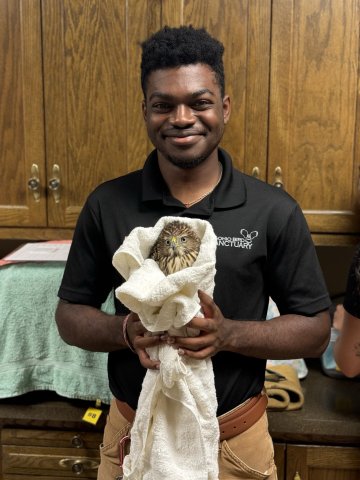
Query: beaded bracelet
x=125, y=334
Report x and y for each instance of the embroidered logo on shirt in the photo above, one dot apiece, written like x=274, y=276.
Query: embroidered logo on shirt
x=244, y=241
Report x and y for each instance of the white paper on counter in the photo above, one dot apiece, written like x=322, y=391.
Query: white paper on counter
x=40, y=252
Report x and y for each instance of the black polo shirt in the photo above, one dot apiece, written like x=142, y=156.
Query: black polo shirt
x=264, y=249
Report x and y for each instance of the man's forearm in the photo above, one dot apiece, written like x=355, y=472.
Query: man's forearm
x=347, y=346
x=89, y=328
x=284, y=337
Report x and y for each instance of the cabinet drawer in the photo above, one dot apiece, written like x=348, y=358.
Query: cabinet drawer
x=320, y=462
x=49, y=454
x=51, y=438
x=36, y=477
x=61, y=462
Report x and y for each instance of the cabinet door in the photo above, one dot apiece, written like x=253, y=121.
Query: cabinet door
x=279, y=456
x=21, y=115
x=243, y=26
x=94, y=124
x=314, y=129
x=322, y=463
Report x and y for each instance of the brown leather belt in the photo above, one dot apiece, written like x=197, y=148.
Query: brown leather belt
x=125, y=410
x=231, y=423
x=242, y=417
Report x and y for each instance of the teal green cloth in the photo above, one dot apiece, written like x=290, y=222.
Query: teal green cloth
x=32, y=354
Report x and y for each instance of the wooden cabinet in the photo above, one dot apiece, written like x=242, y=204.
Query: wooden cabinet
x=57, y=454
x=71, y=102
x=87, y=125
x=314, y=122
x=279, y=455
x=322, y=462
x=70, y=109
x=321, y=441
x=317, y=462
x=22, y=140
x=34, y=454
x=93, y=120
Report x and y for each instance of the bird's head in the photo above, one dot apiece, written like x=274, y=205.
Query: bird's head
x=176, y=243
x=176, y=247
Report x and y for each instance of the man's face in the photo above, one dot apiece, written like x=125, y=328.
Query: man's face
x=185, y=113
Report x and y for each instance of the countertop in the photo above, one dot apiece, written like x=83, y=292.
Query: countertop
x=330, y=415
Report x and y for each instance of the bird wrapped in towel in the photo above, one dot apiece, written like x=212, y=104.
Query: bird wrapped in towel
x=175, y=434
x=177, y=247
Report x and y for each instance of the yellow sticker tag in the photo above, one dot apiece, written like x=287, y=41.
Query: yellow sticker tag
x=92, y=415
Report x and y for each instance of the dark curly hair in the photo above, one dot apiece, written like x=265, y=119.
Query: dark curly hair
x=185, y=45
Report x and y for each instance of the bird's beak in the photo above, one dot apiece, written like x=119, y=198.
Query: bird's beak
x=173, y=242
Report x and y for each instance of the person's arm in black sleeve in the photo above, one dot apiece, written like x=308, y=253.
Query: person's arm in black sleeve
x=87, y=281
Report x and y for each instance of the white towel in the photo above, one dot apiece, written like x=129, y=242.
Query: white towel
x=175, y=433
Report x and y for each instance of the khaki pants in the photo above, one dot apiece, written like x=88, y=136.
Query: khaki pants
x=247, y=456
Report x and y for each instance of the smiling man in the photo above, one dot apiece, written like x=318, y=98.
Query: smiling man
x=264, y=249
x=185, y=115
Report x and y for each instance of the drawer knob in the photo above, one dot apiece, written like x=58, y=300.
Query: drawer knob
x=79, y=465
x=77, y=441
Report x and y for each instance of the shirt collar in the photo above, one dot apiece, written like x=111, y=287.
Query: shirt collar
x=153, y=184
x=230, y=193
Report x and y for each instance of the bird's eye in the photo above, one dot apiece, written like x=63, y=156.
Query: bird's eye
x=182, y=239
x=167, y=242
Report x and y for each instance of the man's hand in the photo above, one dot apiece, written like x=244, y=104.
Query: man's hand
x=141, y=339
x=212, y=336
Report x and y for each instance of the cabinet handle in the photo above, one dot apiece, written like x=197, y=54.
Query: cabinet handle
x=255, y=172
x=34, y=182
x=54, y=183
x=79, y=465
x=278, y=178
x=297, y=476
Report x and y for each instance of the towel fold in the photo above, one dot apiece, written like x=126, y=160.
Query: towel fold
x=283, y=388
x=163, y=302
x=175, y=432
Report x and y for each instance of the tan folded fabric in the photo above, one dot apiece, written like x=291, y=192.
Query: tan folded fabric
x=283, y=388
